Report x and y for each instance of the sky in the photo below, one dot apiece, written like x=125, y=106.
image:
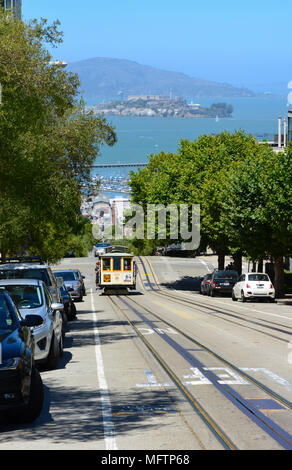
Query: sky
x=242, y=43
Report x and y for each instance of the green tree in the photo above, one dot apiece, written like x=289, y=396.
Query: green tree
x=257, y=206
x=48, y=142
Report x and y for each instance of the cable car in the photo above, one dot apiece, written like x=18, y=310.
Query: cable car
x=117, y=270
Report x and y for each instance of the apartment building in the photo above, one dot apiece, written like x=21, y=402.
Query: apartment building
x=12, y=5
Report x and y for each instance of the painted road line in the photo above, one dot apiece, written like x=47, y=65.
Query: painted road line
x=108, y=426
x=206, y=265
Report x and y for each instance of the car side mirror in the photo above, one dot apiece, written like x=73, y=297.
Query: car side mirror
x=32, y=320
x=57, y=306
x=60, y=282
x=83, y=277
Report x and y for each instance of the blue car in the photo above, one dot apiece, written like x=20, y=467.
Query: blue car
x=21, y=387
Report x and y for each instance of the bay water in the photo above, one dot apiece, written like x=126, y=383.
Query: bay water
x=140, y=137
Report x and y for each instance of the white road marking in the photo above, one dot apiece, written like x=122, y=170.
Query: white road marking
x=108, y=426
x=198, y=378
x=206, y=265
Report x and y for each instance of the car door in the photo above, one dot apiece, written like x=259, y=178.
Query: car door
x=55, y=316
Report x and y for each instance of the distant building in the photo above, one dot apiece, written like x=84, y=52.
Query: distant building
x=284, y=135
x=119, y=205
x=149, y=97
x=289, y=137
x=12, y=5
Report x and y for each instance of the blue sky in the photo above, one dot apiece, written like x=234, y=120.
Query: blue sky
x=243, y=43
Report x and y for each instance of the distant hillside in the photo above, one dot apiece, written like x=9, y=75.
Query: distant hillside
x=104, y=78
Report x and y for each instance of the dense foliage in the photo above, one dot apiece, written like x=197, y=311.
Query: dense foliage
x=244, y=190
x=47, y=143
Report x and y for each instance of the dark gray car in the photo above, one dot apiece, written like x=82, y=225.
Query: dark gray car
x=222, y=282
x=205, y=284
x=73, y=281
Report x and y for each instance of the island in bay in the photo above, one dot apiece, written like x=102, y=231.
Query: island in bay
x=161, y=106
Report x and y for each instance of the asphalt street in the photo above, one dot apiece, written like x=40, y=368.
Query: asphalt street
x=165, y=368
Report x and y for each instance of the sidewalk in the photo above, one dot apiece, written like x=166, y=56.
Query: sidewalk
x=287, y=300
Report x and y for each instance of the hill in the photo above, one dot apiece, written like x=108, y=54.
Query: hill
x=105, y=78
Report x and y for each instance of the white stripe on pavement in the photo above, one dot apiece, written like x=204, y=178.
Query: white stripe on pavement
x=108, y=426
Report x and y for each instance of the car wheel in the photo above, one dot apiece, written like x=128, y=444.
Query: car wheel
x=212, y=293
x=31, y=411
x=54, y=353
x=61, y=346
x=233, y=297
x=243, y=298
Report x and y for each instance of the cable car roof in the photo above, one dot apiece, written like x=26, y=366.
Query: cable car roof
x=117, y=254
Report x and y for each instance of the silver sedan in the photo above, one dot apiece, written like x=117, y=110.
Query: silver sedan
x=32, y=297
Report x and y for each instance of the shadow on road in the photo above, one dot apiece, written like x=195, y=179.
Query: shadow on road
x=189, y=283
x=71, y=415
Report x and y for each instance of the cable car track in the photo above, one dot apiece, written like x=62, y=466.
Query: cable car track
x=219, y=434
x=270, y=427
x=202, y=308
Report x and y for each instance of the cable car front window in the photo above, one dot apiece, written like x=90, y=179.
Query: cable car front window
x=127, y=264
x=117, y=264
x=106, y=264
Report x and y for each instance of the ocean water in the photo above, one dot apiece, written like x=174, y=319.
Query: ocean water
x=142, y=136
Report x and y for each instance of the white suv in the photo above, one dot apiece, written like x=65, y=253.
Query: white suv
x=253, y=286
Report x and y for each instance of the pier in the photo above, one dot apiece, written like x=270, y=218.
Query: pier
x=120, y=165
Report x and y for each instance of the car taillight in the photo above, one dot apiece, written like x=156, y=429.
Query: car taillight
x=214, y=283
x=207, y=282
x=271, y=286
x=247, y=286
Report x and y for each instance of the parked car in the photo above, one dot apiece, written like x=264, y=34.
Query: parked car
x=33, y=297
x=204, y=287
x=100, y=249
x=69, y=305
x=222, y=282
x=21, y=387
x=73, y=282
x=81, y=279
x=253, y=286
x=33, y=268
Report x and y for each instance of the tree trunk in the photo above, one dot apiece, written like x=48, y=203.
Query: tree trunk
x=221, y=259
x=238, y=263
x=254, y=267
x=260, y=265
x=279, y=277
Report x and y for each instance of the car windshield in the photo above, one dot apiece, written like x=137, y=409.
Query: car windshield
x=225, y=275
x=30, y=273
x=25, y=296
x=258, y=277
x=6, y=319
x=67, y=275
